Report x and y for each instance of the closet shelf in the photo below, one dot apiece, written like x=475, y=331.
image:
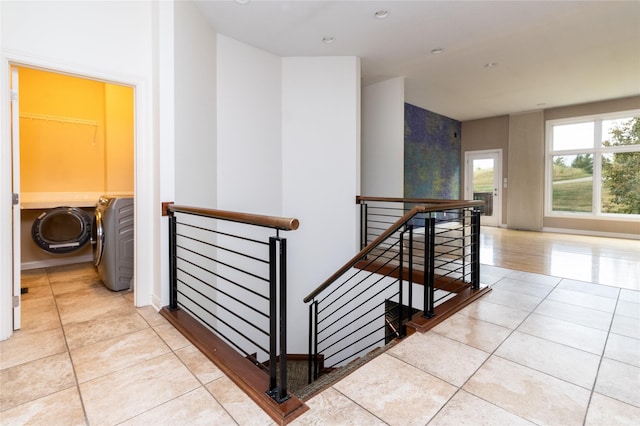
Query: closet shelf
x=59, y=119
x=47, y=200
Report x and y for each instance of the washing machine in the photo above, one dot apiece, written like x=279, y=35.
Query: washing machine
x=112, y=241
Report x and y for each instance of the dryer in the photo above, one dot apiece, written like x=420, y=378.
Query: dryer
x=61, y=230
x=113, y=241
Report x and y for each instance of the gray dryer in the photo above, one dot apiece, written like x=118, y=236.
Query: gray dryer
x=113, y=241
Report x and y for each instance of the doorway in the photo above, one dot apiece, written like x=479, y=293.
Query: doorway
x=72, y=142
x=483, y=181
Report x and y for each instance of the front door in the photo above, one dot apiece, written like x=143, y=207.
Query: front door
x=483, y=181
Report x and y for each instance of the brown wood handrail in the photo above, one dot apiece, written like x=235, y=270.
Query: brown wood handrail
x=426, y=201
x=447, y=204
x=282, y=223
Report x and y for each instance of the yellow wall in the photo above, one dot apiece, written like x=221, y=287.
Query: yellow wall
x=119, y=166
x=76, y=135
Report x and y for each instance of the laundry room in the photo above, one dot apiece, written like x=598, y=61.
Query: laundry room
x=76, y=144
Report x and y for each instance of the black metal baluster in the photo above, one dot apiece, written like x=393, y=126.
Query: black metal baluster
x=173, y=271
x=399, y=331
x=429, y=270
x=463, y=243
x=475, y=249
x=364, y=213
x=316, y=368
x=311, y=334
x=283, y=321
x=410, y=302
x=272, y=391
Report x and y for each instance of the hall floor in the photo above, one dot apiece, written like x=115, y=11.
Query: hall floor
x=557, y=341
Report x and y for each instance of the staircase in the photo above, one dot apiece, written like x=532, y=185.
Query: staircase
x=419, y=264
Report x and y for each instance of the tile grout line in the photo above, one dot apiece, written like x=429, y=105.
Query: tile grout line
x=356, y=403
x=595, y=381
x=491, y=354
x=460, y=388
x=66, y=343
x=170, y=350
x=552, y=341
x=201, y=384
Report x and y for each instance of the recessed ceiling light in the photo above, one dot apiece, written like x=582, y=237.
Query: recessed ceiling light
x=381, y=14
x=242, y=1
x=437, y=51
x=490, y=65
x=328, y=39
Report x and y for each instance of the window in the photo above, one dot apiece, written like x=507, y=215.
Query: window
x=593, y=166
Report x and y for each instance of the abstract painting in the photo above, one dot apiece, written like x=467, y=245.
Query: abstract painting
x=432, y=144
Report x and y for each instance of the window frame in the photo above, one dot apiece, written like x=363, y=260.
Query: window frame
x=597, y=152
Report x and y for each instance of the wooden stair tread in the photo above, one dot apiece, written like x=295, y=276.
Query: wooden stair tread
x=449, y=284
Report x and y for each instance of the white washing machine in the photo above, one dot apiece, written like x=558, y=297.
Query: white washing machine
x=112, y=240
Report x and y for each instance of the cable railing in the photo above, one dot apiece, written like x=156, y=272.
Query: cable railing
x=415, y=255
x=228, y=292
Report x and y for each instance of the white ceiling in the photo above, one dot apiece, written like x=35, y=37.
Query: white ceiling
x=548, y=53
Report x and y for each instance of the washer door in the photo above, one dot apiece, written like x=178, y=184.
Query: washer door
x=97, y=238
x=62, y=229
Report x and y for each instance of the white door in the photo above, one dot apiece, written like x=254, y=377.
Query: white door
x=15, y=167
x=483, y=181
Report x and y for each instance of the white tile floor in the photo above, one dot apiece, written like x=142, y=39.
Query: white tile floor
x=536, y=350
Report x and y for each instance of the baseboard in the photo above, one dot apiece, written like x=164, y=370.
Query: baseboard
x=47, y=263
x=156, y=302
x=247, y=376
x=592, y=233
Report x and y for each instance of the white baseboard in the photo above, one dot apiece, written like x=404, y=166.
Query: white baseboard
x=592, y=233
x=56, y=262
x=156, y=302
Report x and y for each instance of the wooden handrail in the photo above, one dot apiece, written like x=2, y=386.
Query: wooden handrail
x=449, y=204
x=426, y=201
x=282, y=223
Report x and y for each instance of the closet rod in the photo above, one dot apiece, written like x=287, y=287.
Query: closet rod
x=59, y=119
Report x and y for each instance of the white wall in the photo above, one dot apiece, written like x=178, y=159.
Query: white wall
x=320, y=144
x=81, y=38
x=306, y=130
x=383, y=138
x=249, y=167
x=288, y=145
x=81, y=34
x=164, y=92
x=195, y=108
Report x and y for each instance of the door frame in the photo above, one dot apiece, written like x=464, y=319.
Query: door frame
x=496, y=155
x=15, y=188
x=146, y=184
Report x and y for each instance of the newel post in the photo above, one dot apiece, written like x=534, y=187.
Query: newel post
x=173, y=273
x=278, y=318
x=475, y=249
x=429, y=268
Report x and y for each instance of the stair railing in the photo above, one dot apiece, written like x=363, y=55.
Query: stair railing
x=369, y=301
x=229, y=273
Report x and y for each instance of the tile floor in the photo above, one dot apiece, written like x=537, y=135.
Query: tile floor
x=538, y=349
